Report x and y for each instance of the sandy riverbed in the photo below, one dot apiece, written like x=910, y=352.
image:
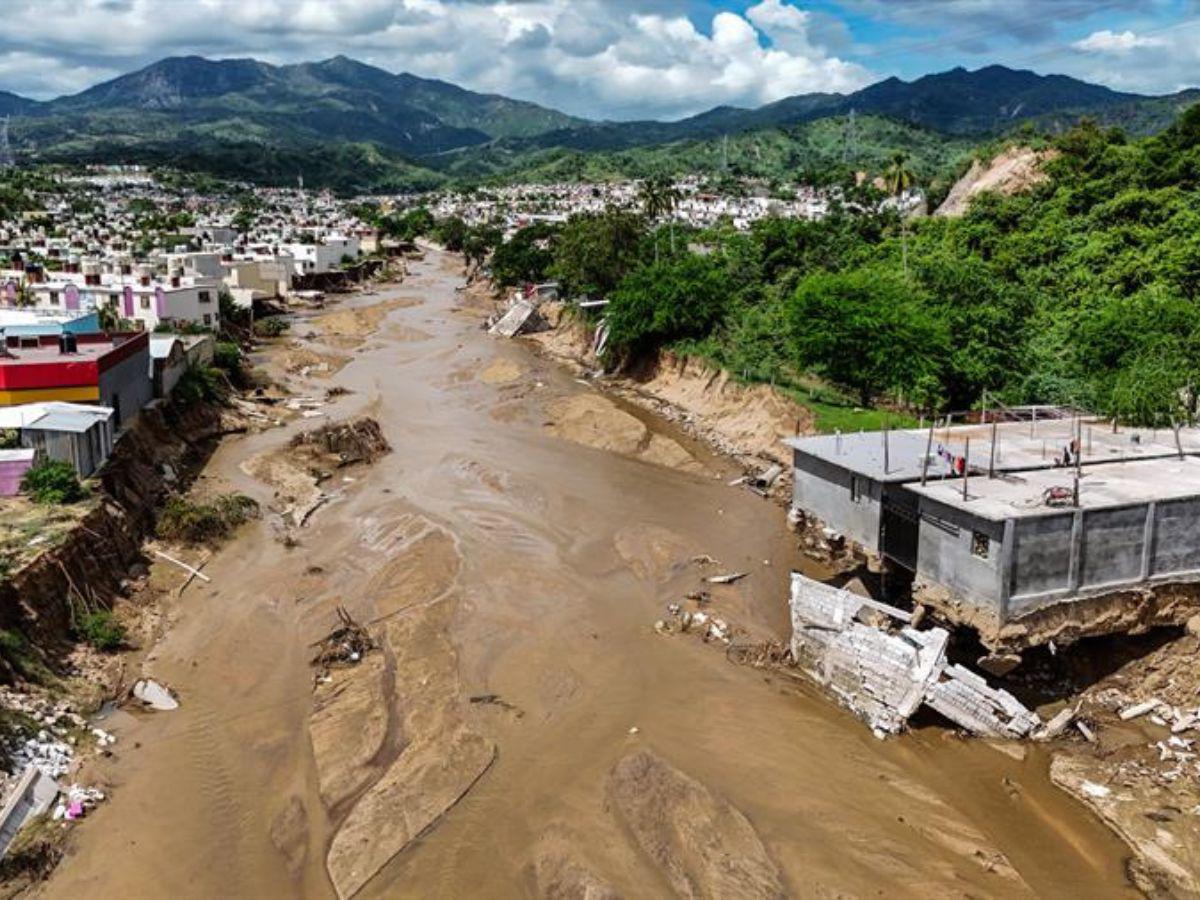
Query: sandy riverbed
x=500, y=557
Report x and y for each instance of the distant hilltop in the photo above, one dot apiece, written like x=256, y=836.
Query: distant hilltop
x=242, y=117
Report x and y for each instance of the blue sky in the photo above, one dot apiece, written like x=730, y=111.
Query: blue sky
x=616, y=58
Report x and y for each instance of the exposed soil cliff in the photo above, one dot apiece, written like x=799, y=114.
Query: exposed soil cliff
x=748, y=421
x=1015, y=170
x=158, y=453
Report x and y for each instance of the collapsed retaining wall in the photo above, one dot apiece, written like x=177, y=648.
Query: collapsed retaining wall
x=157, y=454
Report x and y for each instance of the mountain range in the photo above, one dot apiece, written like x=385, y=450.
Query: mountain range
x=266, y=122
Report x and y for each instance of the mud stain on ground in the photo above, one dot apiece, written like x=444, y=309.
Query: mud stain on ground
x=348, y=328
x=703, y=846
x=596, y=421
x=502, y=371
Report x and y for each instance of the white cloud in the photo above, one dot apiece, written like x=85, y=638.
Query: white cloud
x=1119, y=43
x=611, y=58
x=1163, y=61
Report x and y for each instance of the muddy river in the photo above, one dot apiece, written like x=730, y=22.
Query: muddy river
x=524, y=731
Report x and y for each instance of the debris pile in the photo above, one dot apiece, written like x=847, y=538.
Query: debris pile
x=355, y=441
x=884, y=674
x=708, y=626
x=77, y=803
x=51, y=748
x=346, y=645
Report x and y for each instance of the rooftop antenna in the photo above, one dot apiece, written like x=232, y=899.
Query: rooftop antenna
x=6, y=155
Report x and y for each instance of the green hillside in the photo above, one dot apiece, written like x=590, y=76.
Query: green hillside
x=821, y=152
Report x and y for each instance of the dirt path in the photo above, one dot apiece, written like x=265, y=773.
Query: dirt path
x=504, y=558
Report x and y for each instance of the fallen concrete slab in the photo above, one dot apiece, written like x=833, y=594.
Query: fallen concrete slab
x=883, y=675
x=511, y=323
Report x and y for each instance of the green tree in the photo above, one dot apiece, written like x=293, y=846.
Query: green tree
x=525, y=257
x=659, y=197
x=451, y=232
x=666, y=301
x=595, y=252
x=870, y=331
x=53, y=481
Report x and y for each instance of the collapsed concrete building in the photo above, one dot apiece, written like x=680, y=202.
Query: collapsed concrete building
x=883, y=674
x=1047, y=526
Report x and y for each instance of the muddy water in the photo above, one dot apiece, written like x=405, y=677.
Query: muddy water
x=560, y=558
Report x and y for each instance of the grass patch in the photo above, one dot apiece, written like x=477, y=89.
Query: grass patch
x=203, y=522
x=102, y=630
x=830, y=417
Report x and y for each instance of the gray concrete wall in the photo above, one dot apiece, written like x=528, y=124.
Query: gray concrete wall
x=1112, y=546
x=1041, y=559
x=1176, y=538
x=129, y=382
x=823, y=490
x=944, y=554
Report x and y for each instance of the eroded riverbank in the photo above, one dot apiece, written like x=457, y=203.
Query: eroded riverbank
x=497, y=557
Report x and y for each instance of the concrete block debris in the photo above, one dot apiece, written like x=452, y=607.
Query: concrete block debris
x=967, y=700
x=884, y=674
x=512, y=322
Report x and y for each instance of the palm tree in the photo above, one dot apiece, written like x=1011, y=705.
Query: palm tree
x=659, y=197
x=899, y=179
x=108, y=317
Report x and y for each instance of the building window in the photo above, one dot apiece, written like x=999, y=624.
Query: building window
x=981, y=544
x=54, y=297
x=207, y=319
x=205, y=297
x=145, y=302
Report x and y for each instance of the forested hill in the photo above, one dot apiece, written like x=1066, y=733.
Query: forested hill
x=271, y=123
x=1085, y=290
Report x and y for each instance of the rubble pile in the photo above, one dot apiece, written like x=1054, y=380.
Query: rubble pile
x=357, y=440
x=884, y=674
x=51, y=748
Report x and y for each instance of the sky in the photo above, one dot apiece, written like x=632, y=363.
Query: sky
x=616, y=59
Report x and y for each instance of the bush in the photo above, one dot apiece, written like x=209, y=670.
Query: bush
x=52, y=482
x=227, y=356
x=199, y=384
x=198, y=522
x=102, y=630
x=271, y=326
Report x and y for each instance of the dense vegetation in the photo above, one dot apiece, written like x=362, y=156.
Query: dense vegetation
x=356, y=128
x=1083, y=290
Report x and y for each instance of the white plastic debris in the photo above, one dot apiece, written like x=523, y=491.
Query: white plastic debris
x=155, y=695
